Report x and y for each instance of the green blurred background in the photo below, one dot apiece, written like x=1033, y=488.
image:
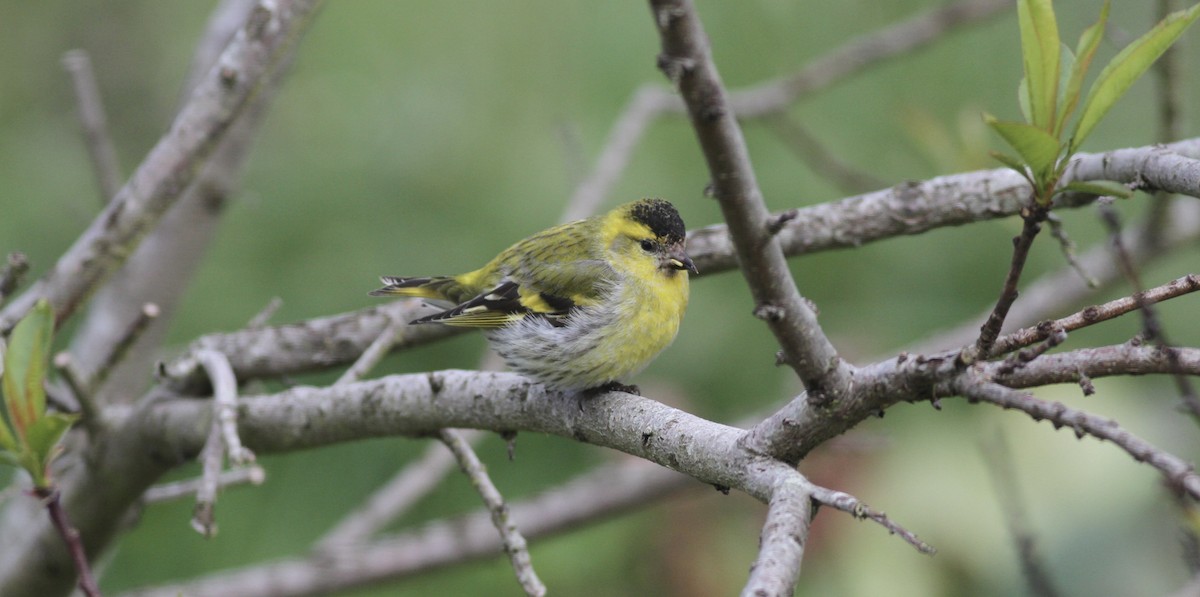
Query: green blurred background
x=422, y=137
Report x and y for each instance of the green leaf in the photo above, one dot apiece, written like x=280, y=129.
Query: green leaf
x=27, y=460
x=1012, y=163
x=1035, y=146
x=42, y=441
x=25, y=367
x=1040, y=55
x=1023, y=100
x=1129, y=64
x=1085, y=51
x=1101, y=188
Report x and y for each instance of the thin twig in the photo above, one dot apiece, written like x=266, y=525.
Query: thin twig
x=1153, y=327
x=1059, y=232
x=374, y=353
x=781, y=544
x=222, y=439
x=1054, y=336
x=1178, y=473
x=70, y=536
x=263, y=317
x=225, y=397
x=1084, y=364
x=1096, y=314
x=514, y=542
x=85, y=389
x=990, y=330
x=1004, y=479
x=92, y=120
x=1060, y=290
x=166, y=492
x=851, y=505
x=145, y=316
x=405, y=488
x=79, y=388
x=15, y=267
x=204, y=519
x=820, y=159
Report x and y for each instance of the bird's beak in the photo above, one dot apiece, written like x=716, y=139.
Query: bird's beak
x=677, y=258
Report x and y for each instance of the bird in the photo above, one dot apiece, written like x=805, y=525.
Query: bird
x=580, y=306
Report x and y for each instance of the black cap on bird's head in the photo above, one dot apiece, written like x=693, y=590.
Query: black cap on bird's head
x=661, y=217
x=664, y=222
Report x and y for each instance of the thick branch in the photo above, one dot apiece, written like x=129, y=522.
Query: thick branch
x=160, y=269
x=781, y=546
x=687, y=61
x=908, y=209
x=419, y=404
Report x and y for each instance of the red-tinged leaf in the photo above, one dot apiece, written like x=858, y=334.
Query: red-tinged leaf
x=1125, y=68
x=25, y=367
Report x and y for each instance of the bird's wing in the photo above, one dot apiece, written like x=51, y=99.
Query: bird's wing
x=507, y=303
x=583, y=282
x=546, y=275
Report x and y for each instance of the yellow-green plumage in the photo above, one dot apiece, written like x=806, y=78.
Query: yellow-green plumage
x=578, y=305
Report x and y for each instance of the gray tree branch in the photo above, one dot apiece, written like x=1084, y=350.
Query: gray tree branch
x=100, y=483
x=908, y=209
x=171, y=165
x=687, y=61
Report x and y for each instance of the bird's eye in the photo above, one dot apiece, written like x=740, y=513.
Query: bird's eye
x=647, y=245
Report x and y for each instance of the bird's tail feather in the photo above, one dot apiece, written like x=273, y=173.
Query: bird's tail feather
x=439, y=288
